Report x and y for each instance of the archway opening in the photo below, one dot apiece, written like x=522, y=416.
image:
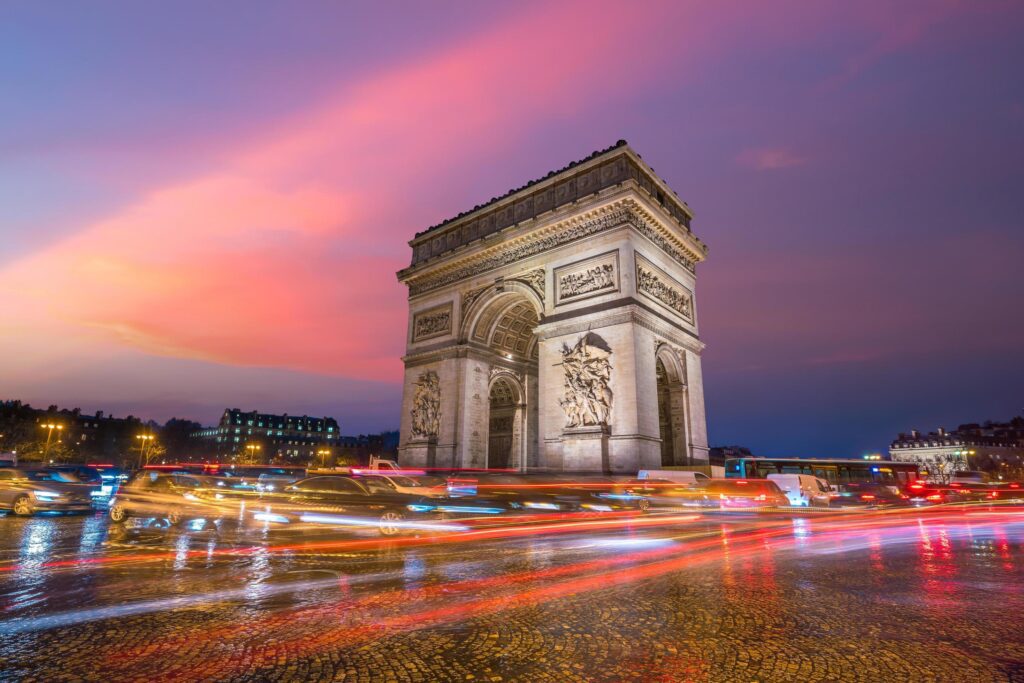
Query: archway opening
x=501, y=425
x=500, y=328
x=665, y=415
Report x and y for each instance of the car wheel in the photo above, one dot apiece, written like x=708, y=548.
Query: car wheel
x=644, y=505
x=174, y=518
x=23, y=506
x=390, y=523
x=118, y=513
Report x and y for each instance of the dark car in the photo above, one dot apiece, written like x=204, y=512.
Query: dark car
x=921, y=493
x=744, y=493
x=89, y=475
x=345, y=501
x=869, y=494
x=166, y=495
x=26, y=491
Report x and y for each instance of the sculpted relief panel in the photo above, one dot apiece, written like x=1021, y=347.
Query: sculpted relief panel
x=426, y=406
x=592, y=277
x=588, y=397
x=432, y=323
x=658, y=285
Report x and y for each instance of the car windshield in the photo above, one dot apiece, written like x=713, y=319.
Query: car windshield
x=404, y=481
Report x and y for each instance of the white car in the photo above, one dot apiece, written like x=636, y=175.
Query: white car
x=803, y=490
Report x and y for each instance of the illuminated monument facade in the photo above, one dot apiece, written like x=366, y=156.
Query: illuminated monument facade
x=555, y=328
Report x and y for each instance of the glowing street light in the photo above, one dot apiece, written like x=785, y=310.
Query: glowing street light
x=323, y=453
x=49, y=435
x=252, y=448
x=146, y=442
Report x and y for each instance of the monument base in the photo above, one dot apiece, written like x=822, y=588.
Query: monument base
x=585, y=449
x=419, y=453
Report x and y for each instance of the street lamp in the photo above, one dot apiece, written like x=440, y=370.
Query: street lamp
x=323, y=453
x=49, y=426
x=147, y=440
x=252, y=448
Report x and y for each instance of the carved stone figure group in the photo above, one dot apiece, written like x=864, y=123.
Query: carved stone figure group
x=426, y=406
x=590, y=280
x=588, y=397
x=679, y=301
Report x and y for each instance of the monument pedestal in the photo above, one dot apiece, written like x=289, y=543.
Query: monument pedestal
x=420, y=453
x=585, y=449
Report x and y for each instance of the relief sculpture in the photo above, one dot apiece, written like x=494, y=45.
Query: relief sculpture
x=673, y=296
x=588, y=397
x=432, y=323
x=426, y=406
x=591, y=280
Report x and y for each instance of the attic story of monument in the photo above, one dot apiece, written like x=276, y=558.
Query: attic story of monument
x=555, y=328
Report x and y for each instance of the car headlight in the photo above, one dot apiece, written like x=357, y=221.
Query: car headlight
x=189, y=496
x=46, y=495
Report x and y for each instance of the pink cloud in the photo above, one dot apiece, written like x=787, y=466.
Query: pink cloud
x=770, y=158
x=285, y=255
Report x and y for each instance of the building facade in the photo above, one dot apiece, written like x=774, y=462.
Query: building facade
x=995, y=448
x=263, y=437
x=555, y=328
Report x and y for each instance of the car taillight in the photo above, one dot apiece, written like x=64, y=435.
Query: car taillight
x=934, y=496
x=917, y=487
x=993, y=494
x=866, y=496
x=762, y=497
x=903, y=497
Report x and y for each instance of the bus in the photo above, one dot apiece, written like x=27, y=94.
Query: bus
x=833, y=471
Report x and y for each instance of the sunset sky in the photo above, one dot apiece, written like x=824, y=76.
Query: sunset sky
x=203, y=205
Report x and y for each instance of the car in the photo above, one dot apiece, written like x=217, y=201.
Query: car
x=166, y=495
x=744, y=493
x=803, y=489
x=869, y=494
x=347, y=501
x=922, y=493
x=549, y=493
x=663, y=493
x=26, y=491
x=432, y=487
x=678, y=476
x=89, y=475
x=274, y=479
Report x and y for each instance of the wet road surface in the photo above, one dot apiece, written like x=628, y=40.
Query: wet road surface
x=916, y=595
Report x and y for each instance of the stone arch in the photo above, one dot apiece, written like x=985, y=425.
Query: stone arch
x=504, y=307
x=670, y=383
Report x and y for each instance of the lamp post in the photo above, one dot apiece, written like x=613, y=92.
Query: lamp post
x=252, y=448
x=323, y=453
x=49, y=426
x=146, y=440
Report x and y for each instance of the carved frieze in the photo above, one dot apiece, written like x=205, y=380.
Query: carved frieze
x=587, y=400
x=433, y=322
x=583, y=279
x=529, y=246
x=655, y=283
x=426, y=406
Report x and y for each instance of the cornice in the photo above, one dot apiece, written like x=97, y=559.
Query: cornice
x=626, y=208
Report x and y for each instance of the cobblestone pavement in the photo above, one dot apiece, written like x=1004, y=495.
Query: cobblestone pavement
x=917, y=597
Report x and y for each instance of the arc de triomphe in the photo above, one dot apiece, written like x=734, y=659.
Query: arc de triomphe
x=555, y=327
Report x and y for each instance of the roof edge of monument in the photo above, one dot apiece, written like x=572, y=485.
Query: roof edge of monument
x=551, y=176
